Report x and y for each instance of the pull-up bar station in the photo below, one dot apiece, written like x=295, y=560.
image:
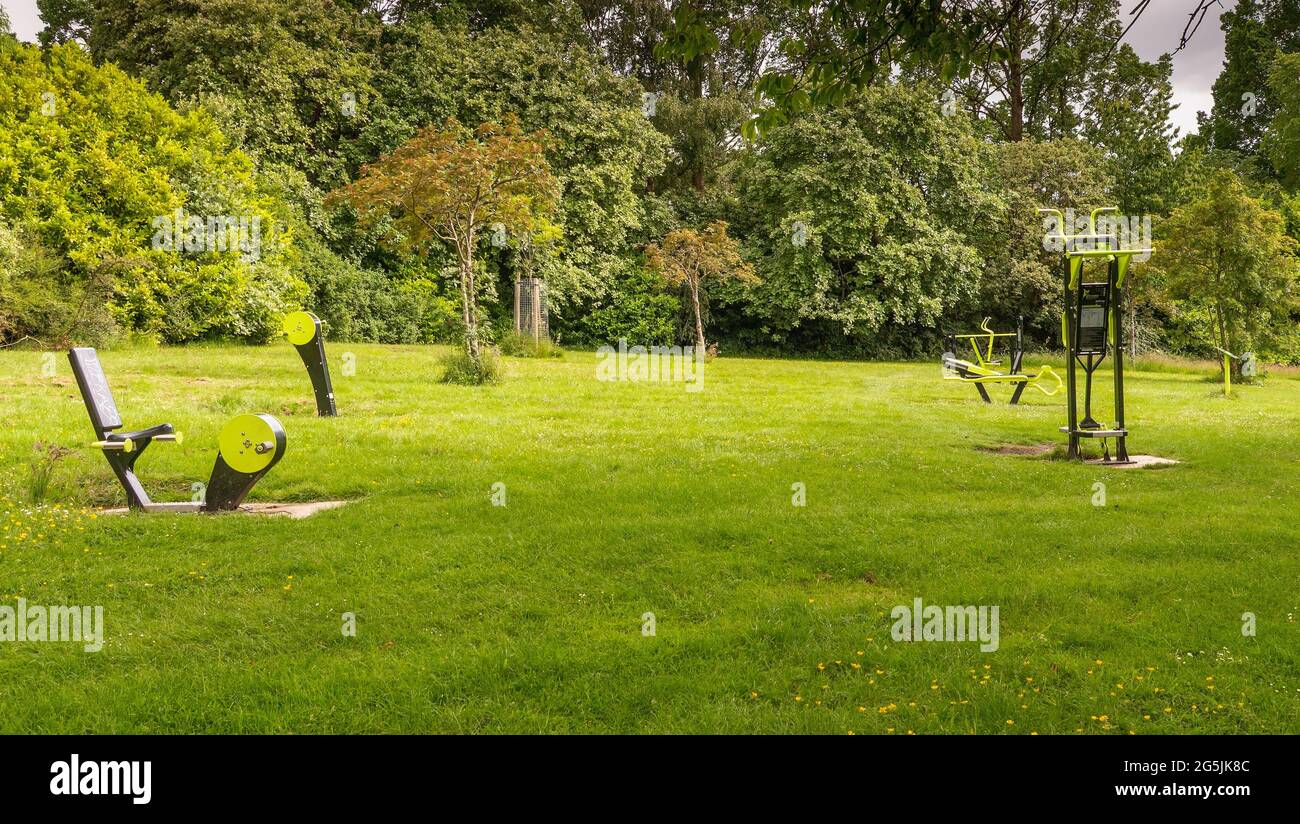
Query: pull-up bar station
x=1091, y=326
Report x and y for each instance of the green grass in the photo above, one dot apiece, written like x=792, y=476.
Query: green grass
x=626, y=498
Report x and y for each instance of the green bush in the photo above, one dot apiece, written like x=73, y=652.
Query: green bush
x=39, y=298
x=636, y=307
x=97, y=169
x=459, y=368
x=523, y=346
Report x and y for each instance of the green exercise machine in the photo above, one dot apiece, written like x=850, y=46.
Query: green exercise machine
x=983, y=370
x=305, y=332
x=247, y=447
x=1093, y=268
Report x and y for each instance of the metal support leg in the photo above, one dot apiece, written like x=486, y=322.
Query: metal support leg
x=123, y=465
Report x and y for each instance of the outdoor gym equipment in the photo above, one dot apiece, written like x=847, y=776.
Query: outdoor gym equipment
x=305, y=333
x=1090, y=326
x=1247, y=367
x=981, y=371
x=247, y=448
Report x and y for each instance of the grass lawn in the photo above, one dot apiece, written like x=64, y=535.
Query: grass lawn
x=627, y=498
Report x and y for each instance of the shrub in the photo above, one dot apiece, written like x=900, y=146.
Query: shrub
x=97, y=169
x=459, y=368
x=522, y=346
x=635, y=308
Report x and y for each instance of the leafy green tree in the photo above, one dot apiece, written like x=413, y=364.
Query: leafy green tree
x=287, y=79
x=690, y=258
x=1043, y=58
x=602, y=147
x=94, y=168
x=846, y=45
x=703, y=137
x=636, y=308
x=627, y=34
x=1227, y=256
x=1256, y=31
x=860, y=217
x=1283, y=139
x=66, y=21
x=1128, y=119
x=445, y=185
x=713, y=52
x=37, y=299
x=558, y=17
x=1020, y=277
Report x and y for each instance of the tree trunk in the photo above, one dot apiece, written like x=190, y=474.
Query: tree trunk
x=699, y=317
x=1015, y=77
x=469, y=302
x=1223, y=340
x=695, y=71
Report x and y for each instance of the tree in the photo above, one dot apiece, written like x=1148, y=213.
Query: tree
x=1228, y=255
x=1046, y=52
x=1020, y=277
x=601, y=147
x=687, y=257
x=846, y=45
x=1283, y=139
x=1256, y=31
x=554, y=16
x=93, y=169
x=1129, y=120
x=287, y=79
x=860, y=218
x=444, y=185
x=850, y=44
x=714, y=51
x=699, y=61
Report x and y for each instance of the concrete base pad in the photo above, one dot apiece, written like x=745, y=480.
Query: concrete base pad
x=1135, y=462
x=296, y=511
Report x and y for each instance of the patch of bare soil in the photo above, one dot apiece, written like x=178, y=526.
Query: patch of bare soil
x=1018, y=448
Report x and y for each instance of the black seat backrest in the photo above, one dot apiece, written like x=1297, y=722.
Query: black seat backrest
x=94, y=390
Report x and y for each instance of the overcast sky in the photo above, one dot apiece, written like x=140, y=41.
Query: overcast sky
x=1157, y=32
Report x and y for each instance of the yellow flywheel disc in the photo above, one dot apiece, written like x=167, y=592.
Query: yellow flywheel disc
x=248, y=443
x=300, y=327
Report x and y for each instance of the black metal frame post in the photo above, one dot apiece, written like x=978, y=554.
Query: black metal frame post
x=1017, y=359
x=1095, y=353
x=1071, y=382
x=123, y=464
x=1116, y=330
